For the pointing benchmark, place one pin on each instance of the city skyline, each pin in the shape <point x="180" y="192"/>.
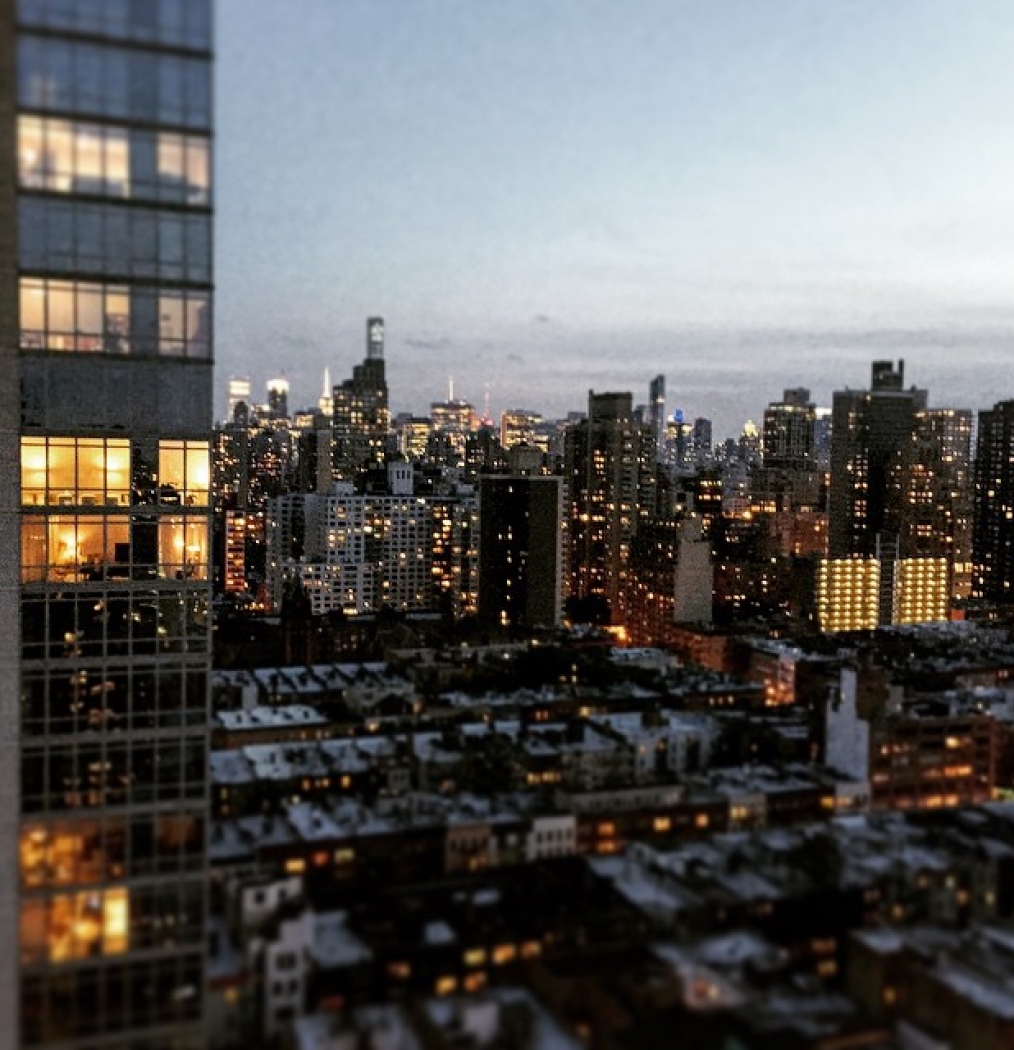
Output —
<point x="605" y="198"/>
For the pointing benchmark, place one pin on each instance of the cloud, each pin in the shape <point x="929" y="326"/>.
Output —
<point x="542" y="319"/>
<point x="441" y="343"/>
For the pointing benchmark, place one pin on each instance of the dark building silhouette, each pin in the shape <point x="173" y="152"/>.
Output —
<point x="993" y="539"/>
<point x="870" y="437"/>
<point x="520" y="550"/>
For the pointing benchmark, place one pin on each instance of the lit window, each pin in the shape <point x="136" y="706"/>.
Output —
<point x="75" y="926"/>
<point x="75" y="471"/>
<point x="503" y="954"/>
<point x="184" y="473"/>
<point x="183" y="548"/>
<point x="74" y="548"/>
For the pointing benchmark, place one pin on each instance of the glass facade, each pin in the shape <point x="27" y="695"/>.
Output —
<point x="111" y="125"/>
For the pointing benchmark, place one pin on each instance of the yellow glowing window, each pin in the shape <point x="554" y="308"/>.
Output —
<point x="607" y="829"/>
<point x="295" y="866"/>
<point x="183" y="547"/>
<point x="75" y="926"/>
<point x="475" y="957"/>
<point x="75" y="471"/>
<point x="702" y="820"/>
<point x="663" y="824"/>
<point x="531" y="950"/>
<point x="446" y="985"/>
<point x="503" y="954"/>
<point x="73" y="548"/>
<point x="65" y="852"/>
<point x="184" y="473"/>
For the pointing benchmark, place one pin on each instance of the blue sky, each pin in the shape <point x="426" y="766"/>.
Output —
<point x="547" y="196"/>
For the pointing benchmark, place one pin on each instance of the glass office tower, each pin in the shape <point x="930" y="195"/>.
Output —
<point x="105" y="416"/>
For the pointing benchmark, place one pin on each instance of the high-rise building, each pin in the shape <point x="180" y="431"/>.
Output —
<point x="870" y="437"/>
<point x="361" y="417"/>
<point x="610" y="472"/>
<point x="656" y="411"/>
<point x="993" y="541"/>
<point x="363" y="553"/>
<point x="936" y="517"/>
<point x="520" y="426"/>
<point x="789" y="478"/>
<point x="520" y="550"/>
<point x="105" y="417"/>
<point x="278" y="398"/>
<point x="788" y="431"/>
<point x="239" y="397"/>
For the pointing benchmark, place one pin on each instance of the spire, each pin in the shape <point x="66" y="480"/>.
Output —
<point x="450" y="388"/>
<point x="327" y="382"/>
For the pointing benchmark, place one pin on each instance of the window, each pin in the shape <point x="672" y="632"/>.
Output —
<point x="89" y="317"/>
<point x="75" y="471"/>
<point x="74" y="315"/>
<point x="70" y="852"/>
<point x="74" y="926"/>
<point x="74" y="548"/>
<point x="184" y="473"/>
<point x="107" y="81"/>
<point x="69" y="235"/>
<point x="177" y="22"/>
<point x="65" y="156"/>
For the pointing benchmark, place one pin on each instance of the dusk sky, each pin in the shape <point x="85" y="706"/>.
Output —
<point x="547" y="196"/>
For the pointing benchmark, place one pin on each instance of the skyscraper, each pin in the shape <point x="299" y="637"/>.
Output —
<point x="993" y="540"/>
<point x="361" y="417"/>
<point x="656" y="412"/>
<point x="789" y="476"/>
<point x="610" y="474"/>
<point x="520" y="550"/>
<point x="936" y="518"/>
<point x="870" y="435"/>
<point x="105" y="416"/>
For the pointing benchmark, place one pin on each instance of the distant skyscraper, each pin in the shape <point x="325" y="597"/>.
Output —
<point x="519" y="426"/>
<point x="239" y="394"/>
<point x="610" y="474"/>
<point x="993" y="542"/>
<point x="278" y="398"/>
<point x="361" y="417"/>
<point x="702" y="440"/>
<point x="105" y="418"/>
<point x="656" y="412"/>
<point x="325" y="403"/>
